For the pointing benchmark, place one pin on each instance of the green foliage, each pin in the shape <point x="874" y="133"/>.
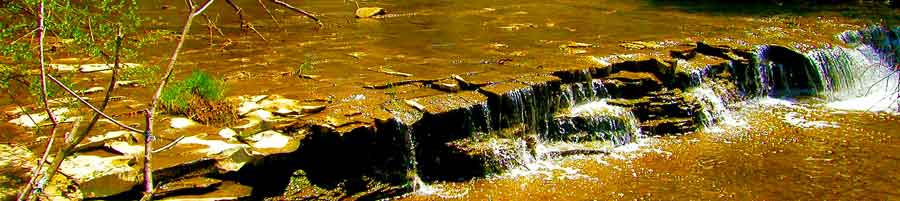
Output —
<point x="72" y="29"/>
<point x="177" y="97"/>
<point x="306" y="67"/>
<point x="142" y="74"/>
<point x="53" y="90"/>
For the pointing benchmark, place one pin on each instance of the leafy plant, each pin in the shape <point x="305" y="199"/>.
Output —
<point x="178" y="94"/>
<point x="199" y="96"/>
<point x="306" y="67"/>
<point x="142" y="74"/>
<point x="73" y="28"/>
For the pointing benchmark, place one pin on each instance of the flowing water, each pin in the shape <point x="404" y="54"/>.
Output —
<point x="787" y="152"/>
<point x="834" y="146"/>
<point x="814" y="140"/>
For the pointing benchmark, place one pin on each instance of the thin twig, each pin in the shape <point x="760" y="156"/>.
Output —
<point x="67" y="149"/>
<point x="301" y="11"/>
<point x="92" y="107"/>
<point x="212" y="25"/>
<point x="90" y="29"/>
<point x="170" y="145"/>
<point x="22" y="108"/>
<point x="263" y="5"/>
<point x="23" y="36"/>
<point x="240" y="13"/>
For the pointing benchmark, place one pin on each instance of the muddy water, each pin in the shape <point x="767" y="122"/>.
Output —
<point x="785" y="152"/>
<point x="768" y="160"/>
<point x="436" y="39"/>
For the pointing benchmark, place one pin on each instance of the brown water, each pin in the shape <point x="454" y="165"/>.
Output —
<point x="769" y="160"/>
<point x="436" y="39"/>
<point x="852" y="158"/>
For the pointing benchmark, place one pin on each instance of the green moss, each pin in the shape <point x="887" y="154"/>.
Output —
<point x="200" y="96"/>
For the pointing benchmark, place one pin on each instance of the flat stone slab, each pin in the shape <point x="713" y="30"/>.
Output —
<point x="503" y="89"/>
<point x="449" y="102"/>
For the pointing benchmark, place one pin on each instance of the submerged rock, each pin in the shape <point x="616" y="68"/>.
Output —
<point x="32" y="120"/>
<point x="16" y="163"/>
<point x="93" y="90"/>
<point x="597" y="121"/>
<point x="269" y="139"/>
<point x="83" y="168"/>
<point x="181" y="122"/>
<point x="227" y="133"/>
<point x="90" y="68"/>
<point x="128" y="83"/>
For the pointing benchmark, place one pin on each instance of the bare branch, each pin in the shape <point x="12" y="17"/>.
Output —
<point x="23" y="36"/>
<point x="263" y="5"/>
<point x="212" y="26"/>
<point x="301" y="11"/>
<point x="154" y="102"/>
<point x="171" y="67"/>
<point x="170" y="145"/>
<point x="240" y="13"/>
<point x="69" y="147"/>
<point x="148" y="152"/>
<point x="89" y="105"/>
<point x="26" y="193"/>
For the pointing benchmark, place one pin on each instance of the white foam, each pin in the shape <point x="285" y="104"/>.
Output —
<point x="795" y="119"/>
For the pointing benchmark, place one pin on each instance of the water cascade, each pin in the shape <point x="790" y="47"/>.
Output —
<point x="489" y="128"/>
<point x="860" y="76"/>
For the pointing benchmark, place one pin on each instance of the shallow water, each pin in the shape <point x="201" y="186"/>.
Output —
<point x="494" y="40"/>
<point x="787" y="152"/>
<point x="834" y="155"/>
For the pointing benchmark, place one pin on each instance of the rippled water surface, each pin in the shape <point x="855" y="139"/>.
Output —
<point x="436" y="39"/>
<point x="786" y="152"/>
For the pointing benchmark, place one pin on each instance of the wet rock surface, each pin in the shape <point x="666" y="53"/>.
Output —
<point x="365" y="146"/>
<point x="287" y="148"/>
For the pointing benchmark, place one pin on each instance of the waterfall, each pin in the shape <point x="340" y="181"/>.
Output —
<point x="581" y="92"/>
<point x="612" y="123"/>
<point x="785" y="73"/>
<point x="714" y="112"/>
<point x="863" y="75"/>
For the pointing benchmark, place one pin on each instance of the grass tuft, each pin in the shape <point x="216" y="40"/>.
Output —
<point x="200" y="97"/>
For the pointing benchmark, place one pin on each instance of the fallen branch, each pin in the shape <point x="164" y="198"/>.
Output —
<point x="212" y="26"/>
<point x="263" y="5"/>
<point x="391" y="72"/>
<point x="400" y="83"/>
<point x="301" y="11"/>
